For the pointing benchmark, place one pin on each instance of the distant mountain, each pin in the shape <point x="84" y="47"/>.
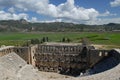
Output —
<point x="24" y="26"/>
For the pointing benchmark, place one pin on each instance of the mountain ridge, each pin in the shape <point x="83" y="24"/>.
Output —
<point x="24" y="26"/>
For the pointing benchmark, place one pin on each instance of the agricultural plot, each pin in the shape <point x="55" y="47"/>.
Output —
<point x="92" y="37"/>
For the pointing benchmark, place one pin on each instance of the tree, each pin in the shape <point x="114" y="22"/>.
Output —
<point x="35" y="41"/>
<point x="68" y="40"/>
<point x="43" y="40"/>
<point x="63" y="40"/>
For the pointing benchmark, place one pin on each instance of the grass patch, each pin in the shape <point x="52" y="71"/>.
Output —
<point x="94" y="37"/>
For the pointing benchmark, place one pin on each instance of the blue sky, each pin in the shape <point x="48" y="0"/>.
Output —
<point x="75" y="11"/>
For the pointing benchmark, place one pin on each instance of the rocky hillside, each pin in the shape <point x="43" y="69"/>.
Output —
<point x="24" y="26"/>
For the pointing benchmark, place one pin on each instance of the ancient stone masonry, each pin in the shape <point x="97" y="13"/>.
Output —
<point x="67" y="58"/>
<point x="23" y="52"/>
<point x="6" y="50"/>
<point x="63" y="58"/>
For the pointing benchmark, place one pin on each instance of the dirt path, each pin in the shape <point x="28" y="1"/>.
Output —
<point x="105" y="46"/>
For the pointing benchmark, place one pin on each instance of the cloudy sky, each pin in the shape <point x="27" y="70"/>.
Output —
<point x="75" y="11"/>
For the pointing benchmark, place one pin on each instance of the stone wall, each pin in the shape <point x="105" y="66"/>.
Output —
<point x="23" y="52"/>
<point x="111" y="74"/>
<point x="96" y="55"/>
<point x="54" y="58"/>
<point x="4" y="50"/>
<point x="33" y="51"/>
<point x="59" y="49"/>
<point x="54" y="61"/>
<point x="115" y="53"/>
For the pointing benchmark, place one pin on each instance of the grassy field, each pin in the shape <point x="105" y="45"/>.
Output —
<point x="93" y="37"/>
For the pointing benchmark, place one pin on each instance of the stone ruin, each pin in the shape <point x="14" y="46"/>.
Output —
<point x="12" y="67"/>
<point x="67" y="59"/>
<point x="70" y="59"/>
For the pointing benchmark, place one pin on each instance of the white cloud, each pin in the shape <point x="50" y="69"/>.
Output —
<point x="107" y="13"/>
<point x="89" y="22"/>
<point x="69" y="11"/>
<point x="34" y="19"/>
<point x="103" y="21"/>
<point x="66" y="10"/>
<point x="11" y="10"/>
<point x="115" y="3"/>
<point x="9" y="16"/>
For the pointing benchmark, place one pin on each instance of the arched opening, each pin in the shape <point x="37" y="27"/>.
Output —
<point x="84" y="52"/>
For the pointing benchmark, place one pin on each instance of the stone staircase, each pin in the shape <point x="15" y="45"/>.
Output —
<point x="12" y="67"/>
